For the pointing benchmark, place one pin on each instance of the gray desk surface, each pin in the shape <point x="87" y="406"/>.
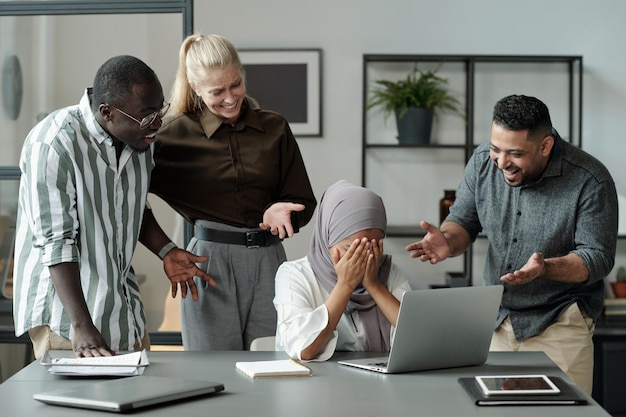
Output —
<point x="333" y="390"/>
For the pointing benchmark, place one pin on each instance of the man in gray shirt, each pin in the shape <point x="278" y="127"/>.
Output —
<point x="549" y="211"/>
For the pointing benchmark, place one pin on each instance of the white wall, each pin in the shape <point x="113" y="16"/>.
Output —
<point x="347" y="29"/>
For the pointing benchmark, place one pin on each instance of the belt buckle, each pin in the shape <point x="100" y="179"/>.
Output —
<point x="252" y="239"/>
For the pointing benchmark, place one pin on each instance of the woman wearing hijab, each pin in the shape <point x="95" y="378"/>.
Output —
<point x="344" y="295"/>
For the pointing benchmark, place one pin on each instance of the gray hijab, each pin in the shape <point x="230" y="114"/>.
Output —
<point x="345" y="209"/>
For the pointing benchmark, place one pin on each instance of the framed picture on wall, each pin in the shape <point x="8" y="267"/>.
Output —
<point x="287" y="81"/>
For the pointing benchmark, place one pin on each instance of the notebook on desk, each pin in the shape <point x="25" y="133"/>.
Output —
<point x="128" y="394"/>
<point x="440" y="328"/>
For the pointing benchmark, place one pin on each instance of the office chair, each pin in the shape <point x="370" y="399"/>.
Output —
<point x="263" y="343"/>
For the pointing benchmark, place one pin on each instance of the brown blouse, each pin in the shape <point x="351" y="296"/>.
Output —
<point x="209" y="170"/>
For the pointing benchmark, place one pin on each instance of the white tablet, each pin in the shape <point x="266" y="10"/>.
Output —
<point x="517" y="384"/>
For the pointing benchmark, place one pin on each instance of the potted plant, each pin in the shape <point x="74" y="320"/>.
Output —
<point x="414" y="100"/>
<point x="619" y="286"/>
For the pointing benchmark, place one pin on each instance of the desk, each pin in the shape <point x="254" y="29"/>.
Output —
<point x="610" y="364"/>
<point x="7" y="333"/>
<point x="333" y="390"/>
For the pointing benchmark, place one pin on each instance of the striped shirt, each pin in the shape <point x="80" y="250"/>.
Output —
<point x="78" y="204"/>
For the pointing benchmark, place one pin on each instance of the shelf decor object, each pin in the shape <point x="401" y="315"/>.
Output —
<point x="619" y="286"/>
<point x="287" y="81"/>
<point x="445" y="203"/>
<point x="414" y="100"/>
<point x="12" y="86"/>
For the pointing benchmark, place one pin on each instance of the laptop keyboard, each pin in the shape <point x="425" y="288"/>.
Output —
<point x="382" y="364"/>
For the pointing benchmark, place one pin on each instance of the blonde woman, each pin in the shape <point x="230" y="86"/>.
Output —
<point x="236" y="173"/>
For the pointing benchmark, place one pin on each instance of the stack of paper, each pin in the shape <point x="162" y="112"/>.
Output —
<point x="272" y="369"/>
<point x="129" y="364"/>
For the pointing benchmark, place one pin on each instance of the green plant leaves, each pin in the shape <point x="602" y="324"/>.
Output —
<point x="419" y="89"/>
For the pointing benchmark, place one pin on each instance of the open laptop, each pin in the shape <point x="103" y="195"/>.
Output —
<point x="440" y="328"/>
<point x="128" y="394"/>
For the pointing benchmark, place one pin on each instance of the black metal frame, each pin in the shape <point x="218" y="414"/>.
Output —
<point x="34" y="8"/>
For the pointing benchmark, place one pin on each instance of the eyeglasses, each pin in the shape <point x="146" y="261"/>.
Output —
<point x="147" y="121"/>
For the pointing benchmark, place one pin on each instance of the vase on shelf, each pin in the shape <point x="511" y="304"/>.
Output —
<point x="445" y="203"/>
<point x="414" y="125"/>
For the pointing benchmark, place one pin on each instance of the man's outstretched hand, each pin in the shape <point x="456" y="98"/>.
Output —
<point x="180" y="267"/>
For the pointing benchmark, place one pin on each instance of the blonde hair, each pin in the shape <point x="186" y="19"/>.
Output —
<point x="198" y="55"/>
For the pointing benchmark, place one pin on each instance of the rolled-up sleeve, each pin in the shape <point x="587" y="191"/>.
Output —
<point x="596" y="226"/>
<point x="301" y="312"/>
<point x="52" y="210"/>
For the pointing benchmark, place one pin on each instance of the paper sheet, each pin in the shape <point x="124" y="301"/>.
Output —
<point x="128" y="364"/>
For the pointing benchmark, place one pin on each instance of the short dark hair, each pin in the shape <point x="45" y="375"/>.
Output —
<point x="116" y="77"/>
<point x="519" y="112"/>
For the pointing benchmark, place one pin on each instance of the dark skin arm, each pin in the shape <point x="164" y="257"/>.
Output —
<point x="87" y="340"/>
<point x="179" y="265"/>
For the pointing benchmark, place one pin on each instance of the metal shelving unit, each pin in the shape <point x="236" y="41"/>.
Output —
<point x="472" y="66"/>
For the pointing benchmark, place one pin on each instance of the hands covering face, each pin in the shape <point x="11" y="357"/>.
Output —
<point x="359" y="263"/>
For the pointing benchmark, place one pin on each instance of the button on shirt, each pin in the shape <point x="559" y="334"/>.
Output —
<point x="572" y="208"/>
<point x="78" y="204"/>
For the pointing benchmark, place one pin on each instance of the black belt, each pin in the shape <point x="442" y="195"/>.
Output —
<point x="252" y="239"/>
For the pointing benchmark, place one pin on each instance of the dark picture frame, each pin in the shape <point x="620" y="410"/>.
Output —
<point x="289" y="82"/>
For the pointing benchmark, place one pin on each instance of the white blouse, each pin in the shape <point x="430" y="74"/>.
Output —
<point x="302" y="314"/>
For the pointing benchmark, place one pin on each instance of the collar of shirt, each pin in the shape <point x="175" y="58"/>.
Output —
<point x="555" y="163"/>
<point x="95" y="130"/>
<point x="248" y="118"/>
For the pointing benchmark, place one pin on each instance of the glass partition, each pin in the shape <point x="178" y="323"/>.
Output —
<point x="46" y="66"/>
<point x="8" y="211"/>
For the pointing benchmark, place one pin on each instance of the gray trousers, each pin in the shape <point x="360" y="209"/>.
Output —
<point x="240" y="308"/>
